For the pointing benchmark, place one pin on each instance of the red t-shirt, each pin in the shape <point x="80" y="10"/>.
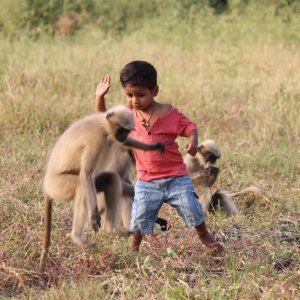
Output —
<point x="152" y="164"/>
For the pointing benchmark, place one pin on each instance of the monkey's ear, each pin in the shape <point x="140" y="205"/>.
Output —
<point x="199" y="148"/>
<point x="110" y="114"/>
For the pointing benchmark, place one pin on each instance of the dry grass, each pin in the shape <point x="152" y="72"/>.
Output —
<point x="243" y="92"/>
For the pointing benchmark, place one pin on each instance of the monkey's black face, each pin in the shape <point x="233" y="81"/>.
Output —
<point x="212" y="158"/>
<point x="122" y="134"/>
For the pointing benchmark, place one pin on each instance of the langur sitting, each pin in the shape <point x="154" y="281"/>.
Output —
<point x="82" y="153"/>
<point x="204" y="175"/>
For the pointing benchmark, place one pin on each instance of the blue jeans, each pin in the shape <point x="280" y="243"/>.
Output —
<point x="150" y="196"/>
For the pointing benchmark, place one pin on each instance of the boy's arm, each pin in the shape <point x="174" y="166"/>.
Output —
<point x="100" y="104"/>
<point x="101" y="91"/>
<point x="191" y="147"/>
<point x="187" y="128"/>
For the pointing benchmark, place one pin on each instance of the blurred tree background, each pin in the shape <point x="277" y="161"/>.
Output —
<point x="118" y="16"/>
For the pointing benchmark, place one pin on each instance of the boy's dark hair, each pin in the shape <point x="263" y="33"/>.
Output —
<point x="139" y="73"/>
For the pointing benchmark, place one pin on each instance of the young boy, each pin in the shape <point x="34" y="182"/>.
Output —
<point x="161" y="178"/>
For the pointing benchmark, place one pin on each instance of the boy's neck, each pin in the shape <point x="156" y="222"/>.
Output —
<point x="149" y="109"/>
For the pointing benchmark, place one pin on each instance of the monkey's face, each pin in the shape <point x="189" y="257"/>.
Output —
<point x="122" y="134"/>
<point x="211" y="158"/>
<point x="210" y="151"/>
<point x="121" y="122"/>
<point x="208" y="157"/>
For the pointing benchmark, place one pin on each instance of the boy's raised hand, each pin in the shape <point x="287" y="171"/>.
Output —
<point x="103" y="86"/>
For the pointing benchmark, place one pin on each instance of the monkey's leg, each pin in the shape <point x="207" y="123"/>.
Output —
<point x="105" y="178"/>
<point x="101" y="204"/>
<point x="79" y="221"/>
<point x="47" y="236"/>
<point x="109" y="183"/>
<point x="204" y="194"/>
<point x="127" y="189"/>
<point x="114" y="202"/>
<point x="225" y="200"/>
<point x="205" y="177"/>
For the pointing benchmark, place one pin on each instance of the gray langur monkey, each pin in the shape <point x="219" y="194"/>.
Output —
<point x="207" y="155"/>
<point x="204" y="174"/>
<point x="123" y="164"/>
<point x="82" y="154"/>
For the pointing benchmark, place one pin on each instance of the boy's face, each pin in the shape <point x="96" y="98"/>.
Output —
<point x="139" y="97"/>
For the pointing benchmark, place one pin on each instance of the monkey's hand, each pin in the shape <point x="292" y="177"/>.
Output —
<point x="212" y="173"/>
<point x="95" y="220"/>
<point x="158" y="146"/>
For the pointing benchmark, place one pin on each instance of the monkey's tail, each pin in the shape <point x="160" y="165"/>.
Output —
<point x="47" y="228"/>
<point x="251" y="190"/>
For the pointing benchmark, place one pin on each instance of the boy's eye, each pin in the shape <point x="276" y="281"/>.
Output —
<point x="137" y="95"/>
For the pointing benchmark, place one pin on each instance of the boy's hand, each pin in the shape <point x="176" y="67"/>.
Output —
<point x="191" y="148"/>
<point x="103" y="86"/>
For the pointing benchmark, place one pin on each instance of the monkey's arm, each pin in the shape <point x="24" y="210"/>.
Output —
<point x="205" y="177"/>
<point x="198" y="175"/>
<point x="135" y="144"/>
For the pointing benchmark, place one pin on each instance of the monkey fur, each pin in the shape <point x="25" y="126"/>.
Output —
<point x="204" y="174"/>
<point x="81" y="154"/>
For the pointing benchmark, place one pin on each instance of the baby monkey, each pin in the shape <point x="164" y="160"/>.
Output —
<point x="82" y="153"/>
<point x="204" y="174"/>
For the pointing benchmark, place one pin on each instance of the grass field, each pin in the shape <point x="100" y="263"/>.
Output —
<point x="239" y="80"/>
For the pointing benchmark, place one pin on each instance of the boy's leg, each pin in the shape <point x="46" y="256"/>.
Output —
<point x="135" y="241"/>
<point x="185" y="199"/>
<point x="146" y="204"/>
<point x="207" y="239"/>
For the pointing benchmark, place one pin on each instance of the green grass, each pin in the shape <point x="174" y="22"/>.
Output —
<point x="238" y="79"/>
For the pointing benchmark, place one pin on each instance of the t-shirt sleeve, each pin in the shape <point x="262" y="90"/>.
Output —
<point x="185" y="125"/>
